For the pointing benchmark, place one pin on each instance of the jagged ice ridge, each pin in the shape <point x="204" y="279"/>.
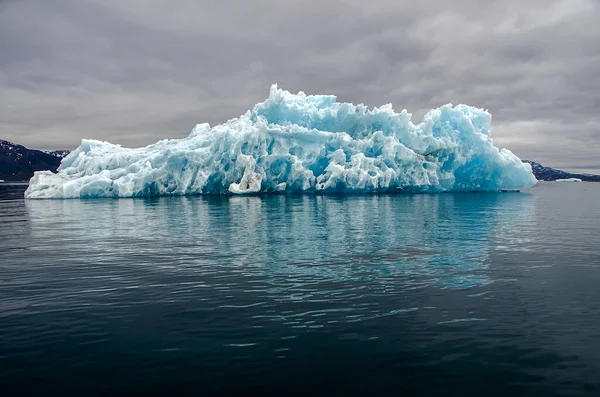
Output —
<point x="299" y="143"/>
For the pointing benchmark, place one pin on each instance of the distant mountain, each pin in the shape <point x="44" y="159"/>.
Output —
<point x="17" y="163"/>
<point x="550" y="174"/>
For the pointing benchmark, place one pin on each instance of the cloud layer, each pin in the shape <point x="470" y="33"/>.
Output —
<point x="137" y="71"/>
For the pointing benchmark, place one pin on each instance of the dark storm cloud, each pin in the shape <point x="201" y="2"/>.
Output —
<point x="137" y="71"/>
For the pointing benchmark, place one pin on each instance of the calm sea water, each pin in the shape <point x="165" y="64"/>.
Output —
<point x="448" y="294"/>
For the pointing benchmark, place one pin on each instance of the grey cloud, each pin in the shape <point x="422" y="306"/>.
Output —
<point x="137" y="71"/>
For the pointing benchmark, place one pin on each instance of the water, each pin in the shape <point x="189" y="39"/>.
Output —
<point x="448" y="294"/>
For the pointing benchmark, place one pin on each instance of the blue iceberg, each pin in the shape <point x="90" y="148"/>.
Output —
<point x="299" y="143"/>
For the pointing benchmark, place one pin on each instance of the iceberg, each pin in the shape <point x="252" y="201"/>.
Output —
<point x="568" y="180"/>
<point x="299" y="143"/>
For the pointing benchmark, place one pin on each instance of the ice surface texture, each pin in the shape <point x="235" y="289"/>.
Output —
<point x="299" y="143"/>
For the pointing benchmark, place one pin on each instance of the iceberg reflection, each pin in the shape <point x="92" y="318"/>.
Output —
<point x="388" y="242"/>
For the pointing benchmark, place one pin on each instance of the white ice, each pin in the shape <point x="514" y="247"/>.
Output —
<point x="569" y="180"/>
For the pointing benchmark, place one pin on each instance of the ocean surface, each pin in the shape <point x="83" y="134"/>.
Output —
<point x="471" y="294"/>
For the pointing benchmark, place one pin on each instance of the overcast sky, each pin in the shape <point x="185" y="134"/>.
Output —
<point x="135" y="71"/>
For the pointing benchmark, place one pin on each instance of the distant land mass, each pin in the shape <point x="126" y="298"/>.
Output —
<point x="550" y="174"/>
<point x="18" y="163"/>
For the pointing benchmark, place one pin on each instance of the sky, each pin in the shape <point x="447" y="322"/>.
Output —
<point x="133" y="72"/>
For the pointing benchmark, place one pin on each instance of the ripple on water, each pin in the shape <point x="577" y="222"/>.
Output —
<point x="437" y="290"/>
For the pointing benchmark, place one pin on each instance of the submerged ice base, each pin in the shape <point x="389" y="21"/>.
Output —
<point x="299" y="143"/>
